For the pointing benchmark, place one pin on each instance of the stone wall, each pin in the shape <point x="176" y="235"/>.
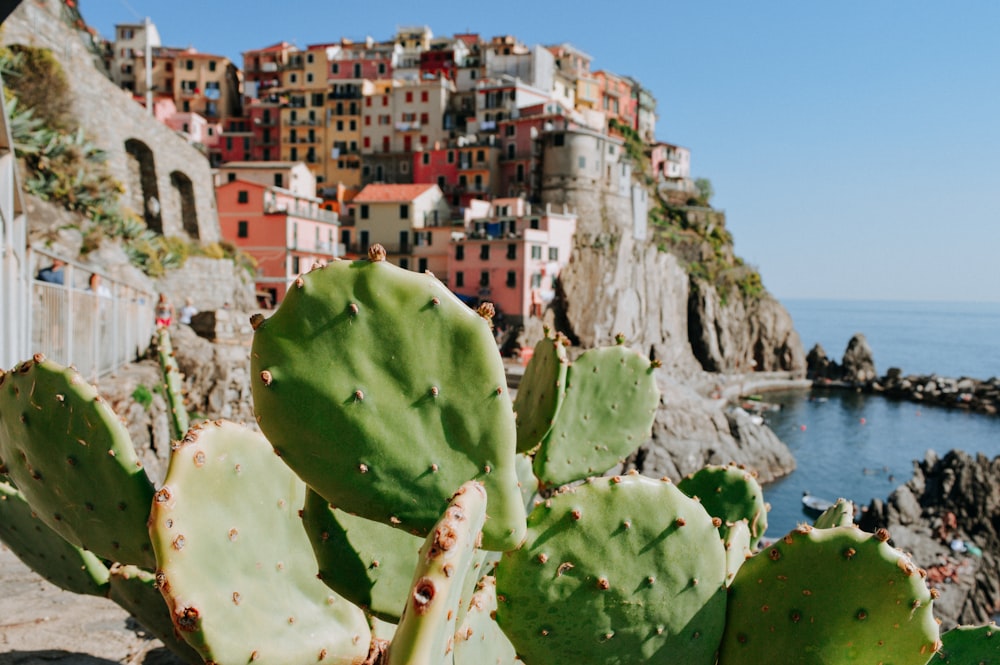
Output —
<point x="166" y="179"/>
<point x="211" y="284"/>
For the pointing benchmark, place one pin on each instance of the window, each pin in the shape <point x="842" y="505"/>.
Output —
<point x="385" y="100"/>
<point x="581" y="162"/>
<point x="553" y="253"/>
<point x="367" y="142"/>
<point x="536" y="251"/>
<point x="357" y="70"/>
<point x="340" y="125"/>
<point x="451" y="157"/>
<point x="353" y="125"/>
<point x="422" y="265"/>
<point x="243" y="196"/>
<point x="293" y="78"/>
<point x="533" y="223"/>
<point x="189" y="65"/>
<point x="409" y="97"/>
<point x="459" y="253"/>
<point x="512" y="251"/>
<point x="404" y="211"/>
<point x="404" y="264"/>
<point x="424" y="96"/>
<point x="558" y="139"/>
<point x="424" y="118"/>
<point x="279" y="180"/>
<point x="484" y="252"/>
<point x="335" y="68"/>
<point x="232" y="177"/>
<point x="510" y="150"/>
<point x="484" y="278"/>
<point x="536" y="281"/>
<point x="425" y="158"/>
<point x="364" y="211"/>
<point x="295" y="265"/>
<point x="242" y="229"/>
<point x="211" y="65"/>
<point x="480" y="155"/>
<point x="381" y="68"/>
<point x="368" y="120"/>
<point x="520" y="173"/>
<point x="510" y="129"/>
<point x="294" y="154"/>
<point x="511" y="278"/>
<point x="459" y="279"/>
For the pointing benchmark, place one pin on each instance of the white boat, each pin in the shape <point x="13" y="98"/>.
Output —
<point x="815" y="505"/>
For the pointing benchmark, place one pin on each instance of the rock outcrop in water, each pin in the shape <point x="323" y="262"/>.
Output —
<point x="856" y="368"/>
<point x="955" y="498"/>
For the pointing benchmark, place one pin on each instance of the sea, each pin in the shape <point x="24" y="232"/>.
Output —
<point x="860" y="447"/>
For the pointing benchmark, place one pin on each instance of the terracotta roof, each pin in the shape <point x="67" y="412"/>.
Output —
<point x="391" y="193"/>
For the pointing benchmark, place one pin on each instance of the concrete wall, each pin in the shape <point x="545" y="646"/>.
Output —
<point x="176" y="173"/>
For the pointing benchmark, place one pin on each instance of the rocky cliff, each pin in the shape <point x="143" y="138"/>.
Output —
<point x="948" y="510"/>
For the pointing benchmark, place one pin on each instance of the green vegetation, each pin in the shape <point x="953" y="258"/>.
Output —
<point x="142" y="396"/>
<point x="699" y="238"/>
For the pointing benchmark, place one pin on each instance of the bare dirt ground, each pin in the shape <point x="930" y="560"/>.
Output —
<point x="41" y="624"/>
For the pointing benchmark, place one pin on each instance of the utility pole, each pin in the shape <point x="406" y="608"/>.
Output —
<point x="149" y="67"/>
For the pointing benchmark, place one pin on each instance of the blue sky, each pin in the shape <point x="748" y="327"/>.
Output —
<point x="853" y="145"/>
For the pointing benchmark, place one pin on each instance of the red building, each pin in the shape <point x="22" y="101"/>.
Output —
<point x="362" y="60"/>
<point x="439" y="62"/>
<point x="617" y="100"/>
<point x="438" y="166"/>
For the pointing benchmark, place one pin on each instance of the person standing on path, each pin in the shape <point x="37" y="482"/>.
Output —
<point x="164" y="312"/>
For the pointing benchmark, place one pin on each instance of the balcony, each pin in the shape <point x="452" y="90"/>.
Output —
<point x="271" y="207"/>
<point x="311" y="122"/>
<point x="408" y="126"/>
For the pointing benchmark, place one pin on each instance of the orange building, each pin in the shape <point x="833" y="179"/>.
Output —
<point x="285" y="232"/>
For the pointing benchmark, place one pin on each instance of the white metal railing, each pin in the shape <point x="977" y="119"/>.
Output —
<point x="14" y="274"/>
<point x="95" y="327"/>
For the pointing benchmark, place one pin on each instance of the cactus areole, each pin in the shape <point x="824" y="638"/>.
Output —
<point x="386" y="394"/>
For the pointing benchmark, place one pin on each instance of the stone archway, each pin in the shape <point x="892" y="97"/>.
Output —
<point x="189" y="212"/>
<point x="142" y="172"/>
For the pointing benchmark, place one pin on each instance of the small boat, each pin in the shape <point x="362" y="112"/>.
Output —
<point x="815" y="505"/>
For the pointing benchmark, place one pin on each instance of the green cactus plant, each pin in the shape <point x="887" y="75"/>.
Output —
<point x="730" y="493"/>
<point x="367" y="562"/>
<point x="832" y="596"/>
<point x="135" y="590"/>
<point x="234" y="563"/>
<point x="479" y="639"/>
<point x="426" y="631"/>
<point x="44" y="551"/>
<point x="970" y="645"/>
<point x="840" y="513"/>
<point x="172" y="383"/>
<point x="650" y="592"/>
<point x="607" y="412"/>
<point x="385" y="393"/>
<point x="540" y="392"/>
<point x="73" y="460"/>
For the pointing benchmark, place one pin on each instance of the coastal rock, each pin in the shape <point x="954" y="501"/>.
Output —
<point x="690" y="431"/>
<point x="859" y="362"/>
<point x="819" y="366"/>
<point x="741" y="334"/>
<point x="951" y="503"/>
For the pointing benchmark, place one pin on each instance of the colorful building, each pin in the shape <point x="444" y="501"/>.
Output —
<point x="286" y="233"/>
<point x="511" y="257"/>
<point x="392" y="215"/>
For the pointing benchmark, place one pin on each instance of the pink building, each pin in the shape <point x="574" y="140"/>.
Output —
<point x="363" y="60"/>
<point x="286" y="233"/>
<point x="511" y="257"/>
<point x="617" y="100"/>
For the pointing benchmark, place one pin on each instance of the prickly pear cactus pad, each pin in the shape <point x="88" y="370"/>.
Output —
<point x="617" y="570"/>
<point x="73" y="460"/>
<point x="46" y="552"/>
<point x="479" y="639"/>
<point x="425" y="634"/>
<point x="969" y="645"/>
<point x="607" y="412"/>
<point x="235" y="565"/>
<point x="540" y="392"/>
<point x="830" y="596"/>
<point x="135" y="590"/>
<point x="172" y="383"/>
<point x="367" y="562"/>
<point x="839" y="514"/>
<point x="385" y="393"/>
<point x="730" y="493"/>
